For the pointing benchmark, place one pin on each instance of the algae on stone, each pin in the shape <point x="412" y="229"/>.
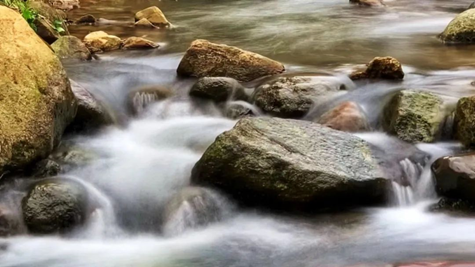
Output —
<point x="461" y="29"/>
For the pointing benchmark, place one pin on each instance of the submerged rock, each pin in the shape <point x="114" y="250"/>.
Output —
<point x="139" y="99"/>
<point x="446" y="204"/>
<point x="10" y="222"/>
<point x="70" y="156"/>
<point x="464" y="121"/>
<point x="293" y="97"/>
<point x="461" y="29"/>
<point x="218" y="89"/>
<point x="145" y="23"/>
<point x="91" y="113"/>
<point x="414" y="116"/>
<point x="71" y="47"/>
<point x="206" y="59"/>
<point x="154" y="15"/>
<point x="139" y="43"/>
<point x="367" y="2"/>
<point x="387" y="68"/>
<point x="86" y="19"/>
<point x="102" y="42"/>
<point x="292" y="164"/>
<point x="46" y="168"/>
<point x="239" y="109"/>
<point x="193" y="208"/>
<point x="346" y="117"/>
<point x="455" y="176"/>
<point x="54" y="205"/>
<point x="36" y="101"/>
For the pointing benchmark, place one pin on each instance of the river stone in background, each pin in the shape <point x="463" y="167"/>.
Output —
<point x="139" y="43"/>
<point x="154" y="15"/>
<point x="414" y="116"/>
<point x="100" y="41"/>
<point x="144" y="23"/>
<point x="86" y="19"/>
<point x="292" y="164"/>
<point x="455" y="176"/>
<point x="461" y="29"/>
<point x="387" y="68"/>
<point x="206" y="59"/>
<point x="54" y="205"/>
<point x="218" y="89"/>
<point x="347" y="117"/>
<point x="71" y="47"/>
<point x="293" y="97"/>
<point x="464" y="121"/>
<point x="368" y="3"/>
<point x="36" y="101"/>
<point x="91" y="114"/>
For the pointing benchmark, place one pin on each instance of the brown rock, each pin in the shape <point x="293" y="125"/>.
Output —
<point x="346" y="117"/>
<point x="36" y="101"/>
<point x="45" y="30"/>
<point x="86" y="19"/>
<point x="367" y="3"/>
<point x="455" y="176"/>
<point x="154" y="15"/>
<point x="64" y="4"/>
<point x="387" y="68"/>
<point x="102" y="42"/>
<point x="138" y="43"/>
<point x="206" y="59"/>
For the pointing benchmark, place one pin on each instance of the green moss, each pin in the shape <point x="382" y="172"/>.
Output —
<point x="461" y="29"/>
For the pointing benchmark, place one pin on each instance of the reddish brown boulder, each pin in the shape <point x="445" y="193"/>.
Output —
<point x="346" y="117"/>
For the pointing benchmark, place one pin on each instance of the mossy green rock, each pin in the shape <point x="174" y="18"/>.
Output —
<point x="414" y="116"/>
<point x="71" y="47"/>
<point x="292" y="164"/>
<point x="36" y="101"/>
<point x="461" y="29"/>
<point x="464" y="126"/>
<point x="54" y="205"/>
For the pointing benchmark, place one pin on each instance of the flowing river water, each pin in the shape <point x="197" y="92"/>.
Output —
<point x="140" y="165"/>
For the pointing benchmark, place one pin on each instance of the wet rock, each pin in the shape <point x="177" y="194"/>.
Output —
<point x="387" y="68"/>
<point x="86" y="19"/>
<point x="154" y="15"/>
<point x="36" y="101"/>
<point x="206" y="59"/>
<point x="193" y="208"/>
<point x="239" y="109"/>
<point x="139" y="43"/>
<point x="461" y="29"/>
<point x="347" y="117"/>
<point x="453" y="205"/>
<point x="91" y="113"/>
<point x="70" y="156"/>
<point x="291" y="164"/>
<point x="71" y="47"/>
<point x="464" y="121"/>
<point x="367" y="2"/>
<point x="293" y="97"/>
<point x="414" y="116"/>
<point x="45" y="30"/>
<point x="218" y="89"/>
<point x="102" y="42"/>
<point x="455" y="176"/>
<point x="139" y="99"/>
<point x="10" y="222"/>
<point x="145" y="23"/>
<point x="54" y="205"/>
<point x="46" y="168"/>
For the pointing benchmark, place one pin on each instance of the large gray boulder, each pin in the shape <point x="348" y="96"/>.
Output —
<point x="55" y="205"/>
<point x="293" y="97"/>
<point x="290" y="163"/>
